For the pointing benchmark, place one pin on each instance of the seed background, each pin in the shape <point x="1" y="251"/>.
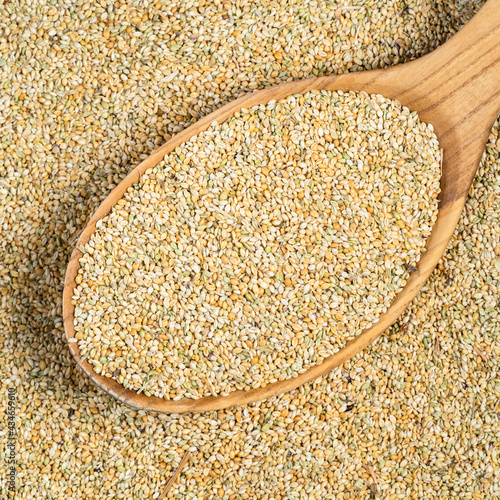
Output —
<point x="87" y="90"/>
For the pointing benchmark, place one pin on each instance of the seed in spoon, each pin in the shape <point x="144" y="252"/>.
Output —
<point x="259" y="247"/>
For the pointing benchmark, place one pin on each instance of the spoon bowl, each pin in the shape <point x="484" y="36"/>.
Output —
<point x="456" y="88"/>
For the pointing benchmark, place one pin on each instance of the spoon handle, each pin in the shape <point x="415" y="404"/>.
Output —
<point x="462" y="76"/>
<point x="457" y="89"/>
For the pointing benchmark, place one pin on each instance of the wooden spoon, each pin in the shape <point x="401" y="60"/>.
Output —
<point x="456" y="88"/>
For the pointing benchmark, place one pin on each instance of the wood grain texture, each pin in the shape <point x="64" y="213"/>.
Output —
<point x="456" y="88"/>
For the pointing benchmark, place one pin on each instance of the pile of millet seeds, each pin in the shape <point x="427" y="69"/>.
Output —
<point x="257" y="248"/>
<point x="90" y="89"/>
